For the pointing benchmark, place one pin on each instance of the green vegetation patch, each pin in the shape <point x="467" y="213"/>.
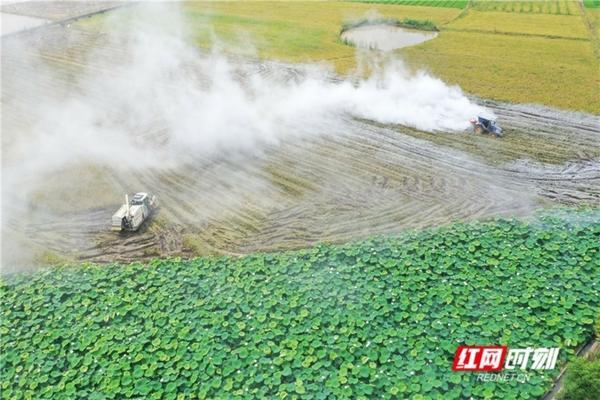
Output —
<point x="582" y="380"/>
<point x="379" y="318"/>
<point x="424" y="25"/>
<point x="591" y="3"/>
<point x="418" y="24"/>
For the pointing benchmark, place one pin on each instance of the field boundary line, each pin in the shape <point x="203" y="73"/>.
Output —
<point x="463" y="13"/>
<point x="591" y="27"/>
<point x="65" y="21"/>
<point x="538" y="35"/>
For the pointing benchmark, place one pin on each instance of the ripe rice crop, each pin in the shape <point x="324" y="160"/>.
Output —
<point x="561" y="7"/>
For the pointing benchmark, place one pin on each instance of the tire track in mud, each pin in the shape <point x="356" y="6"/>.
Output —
<point x="351" y="179"/>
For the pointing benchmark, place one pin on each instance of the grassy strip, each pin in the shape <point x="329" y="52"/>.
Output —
<point x="418" y="24"/>
<point x="591" y="3"/>
<point x="424" y="3"/>
<point x="379" y="318"/>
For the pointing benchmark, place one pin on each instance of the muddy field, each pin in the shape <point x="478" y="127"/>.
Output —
<point x="345" y="179"/>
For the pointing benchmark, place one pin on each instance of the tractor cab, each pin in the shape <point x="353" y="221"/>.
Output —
<point x="140" y="199"/>
<point x="486" y="125"/>
<point x="131" y="215"/>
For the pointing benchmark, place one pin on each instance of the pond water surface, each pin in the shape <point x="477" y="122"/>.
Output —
<point x="385" y="37"/>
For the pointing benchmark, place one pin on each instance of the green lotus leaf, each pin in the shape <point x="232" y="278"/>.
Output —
<point x="352" y="321"/>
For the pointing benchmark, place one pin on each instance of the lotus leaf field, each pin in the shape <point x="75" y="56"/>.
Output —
<point x="380" y="318"/>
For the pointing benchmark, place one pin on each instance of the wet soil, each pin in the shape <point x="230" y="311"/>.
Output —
<point x="354" y="179"/>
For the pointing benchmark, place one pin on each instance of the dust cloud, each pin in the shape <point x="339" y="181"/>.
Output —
<point x="164" y="101"/>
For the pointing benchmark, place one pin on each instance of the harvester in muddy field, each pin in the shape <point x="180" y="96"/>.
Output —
<point x="485" y="125"/>
<point x="133" y="213"/>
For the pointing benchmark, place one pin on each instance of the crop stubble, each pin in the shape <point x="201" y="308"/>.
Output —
<point x="353" y="179"/>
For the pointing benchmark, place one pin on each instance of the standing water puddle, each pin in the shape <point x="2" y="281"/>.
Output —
<point x="385" y="37"/>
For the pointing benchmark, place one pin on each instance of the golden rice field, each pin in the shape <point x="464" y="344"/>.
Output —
<point x="516" y="69"/>
<point x="525" y="52"/>
<point x="566" y="7"/>
<point x="559" y="26"/>
<point x="294" y="31"/>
